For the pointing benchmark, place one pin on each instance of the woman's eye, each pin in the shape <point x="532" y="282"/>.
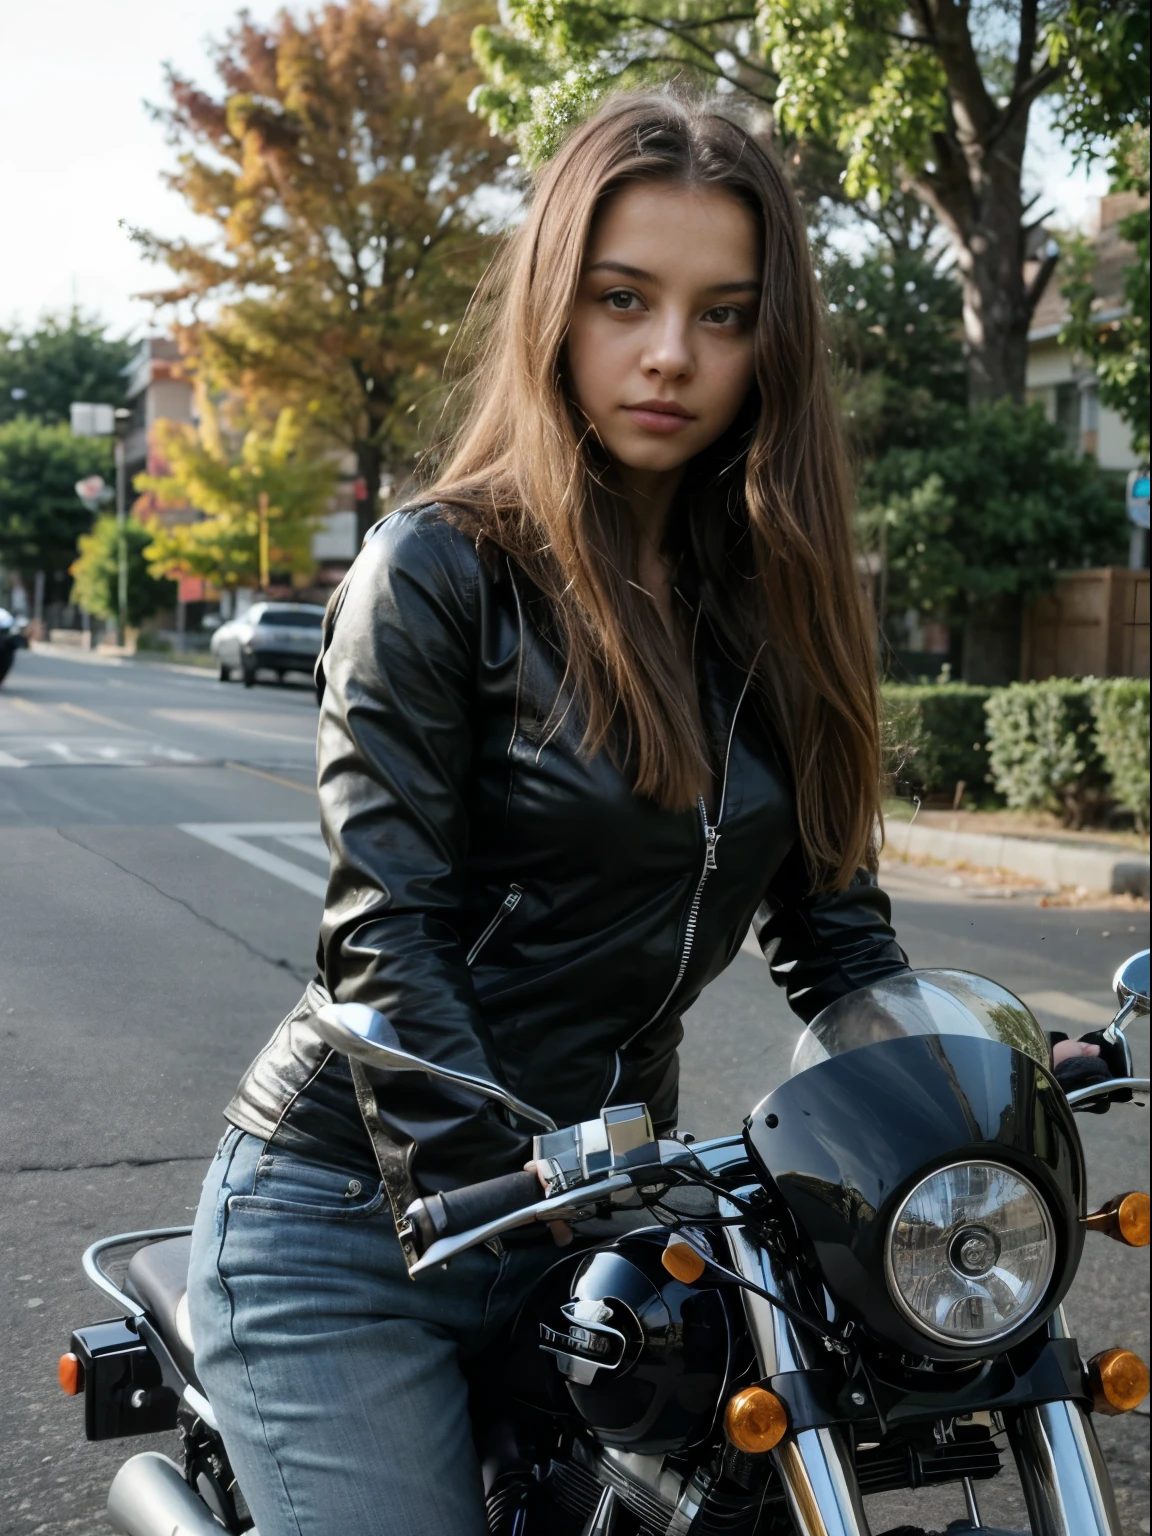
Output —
<point x="620" y="299"/>
<point x="727" y="314"/>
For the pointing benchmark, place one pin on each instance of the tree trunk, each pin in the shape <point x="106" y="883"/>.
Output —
<point x="983" y="213"/>
<point x="368" y="467"/>
<point x="974" y="186"/>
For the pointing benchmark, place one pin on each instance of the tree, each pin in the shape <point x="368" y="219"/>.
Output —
<point x="894" y="319"/>
<point x="1117" y="347"/>
<point x="96" y="573"/>
<point x="932" y="96"/>
<point x="226" y="482"/>
<point x="990" y="509"/>
<point x="64" y="358"/>
<point x="41" y="517"/>
<point x="344" y="176"/>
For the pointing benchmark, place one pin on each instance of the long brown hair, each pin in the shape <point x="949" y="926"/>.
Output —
<point x="763" y="512"/>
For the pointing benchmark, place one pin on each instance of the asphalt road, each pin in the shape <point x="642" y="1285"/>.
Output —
<point x="160" y="877"/>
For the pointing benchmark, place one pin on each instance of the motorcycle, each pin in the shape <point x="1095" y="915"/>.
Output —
<point x="859" y="1293"/>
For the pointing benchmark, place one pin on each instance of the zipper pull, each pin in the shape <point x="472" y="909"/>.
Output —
<point x="512" y="900"/>
<point x="712" y="837"/>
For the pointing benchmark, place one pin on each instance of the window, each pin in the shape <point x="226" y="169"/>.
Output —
<point x="292" y="618"/>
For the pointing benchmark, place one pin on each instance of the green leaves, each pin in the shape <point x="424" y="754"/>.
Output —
<point x="61" y="359"/>
<point x="224" y="479"/>
<point x="1042" y="749"/>
<point x="993" y="506"/>
<point x="96" y="572"/>
<point x="41" y="516"/>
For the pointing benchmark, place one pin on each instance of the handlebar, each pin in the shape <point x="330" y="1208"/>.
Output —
<point x="475" y="1205"/>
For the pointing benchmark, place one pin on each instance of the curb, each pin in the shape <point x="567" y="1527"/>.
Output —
<point x="1098" y="869"/>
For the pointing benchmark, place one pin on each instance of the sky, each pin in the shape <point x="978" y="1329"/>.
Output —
<point x="80" y="158"/>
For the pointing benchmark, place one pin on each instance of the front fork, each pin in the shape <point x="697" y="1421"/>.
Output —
<point x="1066" y="1484"/>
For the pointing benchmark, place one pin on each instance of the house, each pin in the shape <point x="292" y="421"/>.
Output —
<point x="158" y="388"/>
<point x="1057" y="377"/>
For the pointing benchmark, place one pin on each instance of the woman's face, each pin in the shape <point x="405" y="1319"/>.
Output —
<point x="660" y="345"/>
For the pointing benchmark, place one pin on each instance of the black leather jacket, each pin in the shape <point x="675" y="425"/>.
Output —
<point x="510" y="905"/>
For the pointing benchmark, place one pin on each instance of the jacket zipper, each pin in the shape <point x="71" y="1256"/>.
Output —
<point x="505" y="909"/>
<point x="711" y="838"/>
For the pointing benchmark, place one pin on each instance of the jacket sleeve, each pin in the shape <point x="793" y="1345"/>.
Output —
<point x="394" y="760"/>
<point x="820" y="946"/>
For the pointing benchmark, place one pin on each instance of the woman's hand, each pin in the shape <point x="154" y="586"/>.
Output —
<point x="562" y="1233"/>
<point x="1066" y="1050"/>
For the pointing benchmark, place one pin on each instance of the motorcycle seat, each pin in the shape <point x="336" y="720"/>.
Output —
<point x="157" y="1278"/>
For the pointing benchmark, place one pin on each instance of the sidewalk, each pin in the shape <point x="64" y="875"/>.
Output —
<point x="114" y="658"/>
<point x="1095" y="866"/>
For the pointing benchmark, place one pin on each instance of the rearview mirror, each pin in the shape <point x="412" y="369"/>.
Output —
<point x="367" y="1035"/>
<point x="1131" y="982"/>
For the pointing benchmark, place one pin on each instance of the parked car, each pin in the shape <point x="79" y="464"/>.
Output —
<point x="279" y="637"/>
<point x="12" y="639"/>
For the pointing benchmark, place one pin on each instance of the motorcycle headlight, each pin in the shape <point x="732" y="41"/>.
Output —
<point x="970" y="1253"/>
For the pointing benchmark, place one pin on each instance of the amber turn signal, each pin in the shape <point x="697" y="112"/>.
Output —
<point x="755" y="1420"/>
<point x="1118" y="1380"/>
<point x="1125" y="1218"/>
<point x="682" y="1261"/>
<point x="70" y="1374"/>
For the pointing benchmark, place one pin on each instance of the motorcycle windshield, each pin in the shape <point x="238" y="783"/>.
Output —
<point x="933" y="1002"/>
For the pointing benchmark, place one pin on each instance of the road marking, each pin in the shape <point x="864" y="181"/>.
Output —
<point x="273" y="778"/>
<point x="8" y="761"/>
<point x="26" y="705"/>
<point x="236" y="838"/>
<point x="1066" y="1005"/>
<point x="312" y="844"/>
<point x="80" y="713"/>
<point x="210" y="719"/>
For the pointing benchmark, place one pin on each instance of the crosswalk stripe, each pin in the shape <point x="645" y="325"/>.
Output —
<point x="234" y="838"/>
<point x="8" y="761"/>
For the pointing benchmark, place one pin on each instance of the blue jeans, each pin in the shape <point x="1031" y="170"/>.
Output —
<point x="337" y="1380"/>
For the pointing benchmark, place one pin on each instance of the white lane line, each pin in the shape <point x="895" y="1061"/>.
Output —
<point x="234" y="838"/>
<point x="313" y="845"/>
<point x="62" y="751"/>
<point x="8" y="761"/>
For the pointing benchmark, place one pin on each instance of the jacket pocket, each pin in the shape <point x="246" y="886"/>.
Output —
<point x="502" y="913"/>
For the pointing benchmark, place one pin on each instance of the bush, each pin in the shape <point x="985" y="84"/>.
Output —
<point x="1120" y="705"/>
<point x="1042" y="748"/>
<point x="936" y="736"/>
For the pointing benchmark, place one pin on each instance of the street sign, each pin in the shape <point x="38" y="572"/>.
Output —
<point x="89" y="420"/>
<point x="1138" y="497"/>
<point x="93" y="492"/>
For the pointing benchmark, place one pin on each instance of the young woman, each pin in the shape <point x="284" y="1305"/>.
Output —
<point x="603" y="701"/>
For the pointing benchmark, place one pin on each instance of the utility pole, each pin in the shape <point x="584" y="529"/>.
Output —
<point x="262" y="524"/>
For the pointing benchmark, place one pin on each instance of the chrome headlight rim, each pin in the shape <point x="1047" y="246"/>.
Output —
<point x="981" y="1345"/>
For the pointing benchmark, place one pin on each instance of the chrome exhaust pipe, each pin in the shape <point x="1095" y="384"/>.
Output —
<point x="149" y="1497"/>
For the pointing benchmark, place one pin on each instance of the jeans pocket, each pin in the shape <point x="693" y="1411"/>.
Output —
<point x="295" y="1186"/>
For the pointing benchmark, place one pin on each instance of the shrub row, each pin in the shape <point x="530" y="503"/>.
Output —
<point x="1065" y="745"/>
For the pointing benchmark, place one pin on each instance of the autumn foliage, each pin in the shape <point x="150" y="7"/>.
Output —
<point x="345" y="180"/>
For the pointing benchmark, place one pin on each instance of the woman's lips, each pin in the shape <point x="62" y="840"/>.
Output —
<point x="652" y="419"/>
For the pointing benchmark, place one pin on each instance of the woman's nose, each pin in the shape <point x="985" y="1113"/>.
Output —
<point x="668" y="352"/>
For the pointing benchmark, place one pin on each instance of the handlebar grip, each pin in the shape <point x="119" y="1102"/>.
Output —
<point x="459" y="1210"/>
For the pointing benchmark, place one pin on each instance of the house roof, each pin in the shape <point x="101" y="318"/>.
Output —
<point x="1113" y="255"/>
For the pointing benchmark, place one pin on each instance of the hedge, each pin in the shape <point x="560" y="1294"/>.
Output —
<point x="935" y="737"/>
<point x="1120" y="706"/>
<point x="1042" y="748"/>
<point x="1066" y="745"/>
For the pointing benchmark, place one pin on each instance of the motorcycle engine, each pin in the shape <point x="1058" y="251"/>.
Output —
<point x="645" y="1358"/>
